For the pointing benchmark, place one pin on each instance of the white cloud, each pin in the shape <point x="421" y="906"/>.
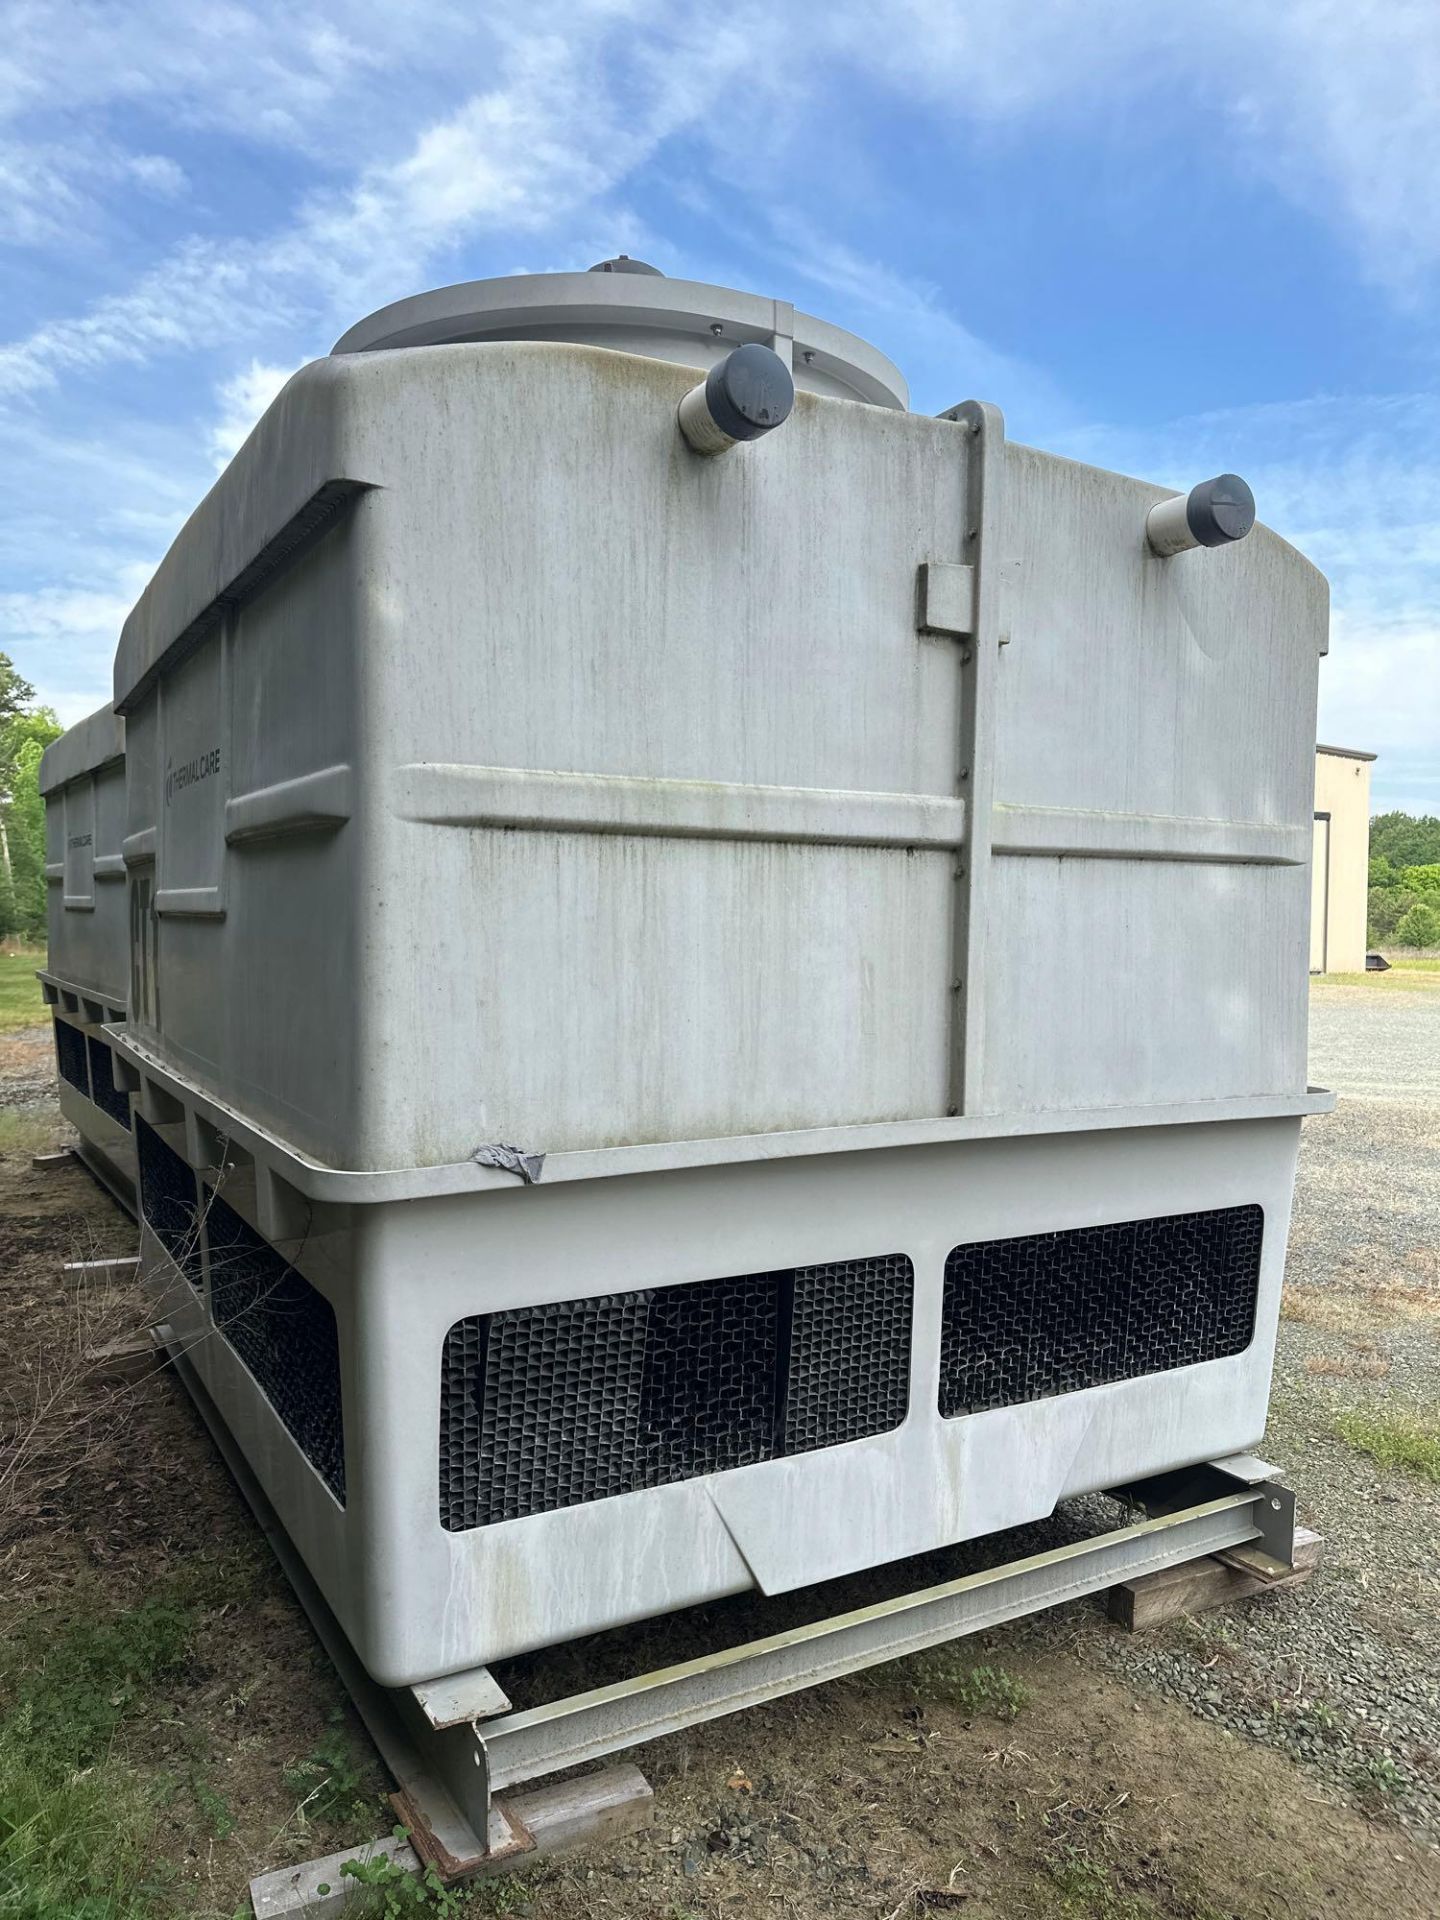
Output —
<point x="243" y="398"/>
<point x="69" y="635"/>
<point x="545" y="142"/>
<point x="427" y="126"/>
<point x="1334" y="101"/>
<point x="1357" y="488"/>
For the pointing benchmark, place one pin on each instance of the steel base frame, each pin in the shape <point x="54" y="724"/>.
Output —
<point x="455" y="1748"/>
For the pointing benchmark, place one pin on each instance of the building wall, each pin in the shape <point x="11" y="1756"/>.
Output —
<point x="1341" y="871"/>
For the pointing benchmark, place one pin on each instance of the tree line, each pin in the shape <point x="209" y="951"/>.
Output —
<point x="25" y="732"/>
<point x="1404" y="900"/>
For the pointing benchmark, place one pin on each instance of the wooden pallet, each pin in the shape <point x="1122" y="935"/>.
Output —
<point x="1202" y="1584"/>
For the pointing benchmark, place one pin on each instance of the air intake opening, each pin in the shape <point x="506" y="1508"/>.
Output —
<point x="103" y="1090"/>
<point x="284" y="1331"/>
<point x="168" y="1201"/>
<point x="70" y="1056"/>
<point x="551" y="1406"/>
<point x="1053" y="1313"/>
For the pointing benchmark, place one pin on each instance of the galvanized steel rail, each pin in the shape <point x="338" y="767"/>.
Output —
<point x="449" y="1774"/>
<point x="523" y="1746"/>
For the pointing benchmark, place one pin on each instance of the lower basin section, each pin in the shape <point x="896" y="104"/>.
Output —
<point x="490" y="1422"/>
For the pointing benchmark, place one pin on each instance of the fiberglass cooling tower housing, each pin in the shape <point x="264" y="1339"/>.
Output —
<point x="84" y="981"/>
<point x="719" y="986"/>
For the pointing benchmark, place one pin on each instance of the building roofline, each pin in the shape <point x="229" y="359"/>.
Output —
<point x="1345" y="753"/>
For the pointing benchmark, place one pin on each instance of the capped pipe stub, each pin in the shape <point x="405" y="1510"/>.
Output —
<point x="1213" y="514"/>
<point x="748" y="393"/>
<point x="1220" y="510"/>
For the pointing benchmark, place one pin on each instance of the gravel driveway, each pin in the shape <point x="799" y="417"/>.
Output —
<point x="1345" y="1672"/>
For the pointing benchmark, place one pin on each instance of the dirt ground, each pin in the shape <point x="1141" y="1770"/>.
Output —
<point x="1051" y="1782"/>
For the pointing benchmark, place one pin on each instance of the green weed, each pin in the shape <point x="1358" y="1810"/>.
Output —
<point x="213" y="1809"/>
<point x="1378" y="1774"/>
<point x="398" y="1893"/>
<point x="79" y="1679"/>
<point x="1087" y="1889"/>
<point x="331" y="1780"/>
<point x="1394" y="1439"/>
<point x="941" y="1678"/>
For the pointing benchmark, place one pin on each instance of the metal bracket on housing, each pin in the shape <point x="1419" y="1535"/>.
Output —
<point x="946" y="599"/>
<point x="1271" y="1554"/>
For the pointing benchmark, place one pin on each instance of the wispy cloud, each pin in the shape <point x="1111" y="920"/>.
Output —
<point x="398" y="145"/>
<point x="243" y="398"/>
<point x="1356" y="488"/>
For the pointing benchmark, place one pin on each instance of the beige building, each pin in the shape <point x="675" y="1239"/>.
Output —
<point x="1340" y="874"/>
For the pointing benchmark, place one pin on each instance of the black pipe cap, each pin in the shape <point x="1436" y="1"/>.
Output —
<point x="1220" y="510"/>
<point x="749" y="392"/>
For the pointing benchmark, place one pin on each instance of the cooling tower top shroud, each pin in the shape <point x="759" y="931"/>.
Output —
<point x="634" y="311"/>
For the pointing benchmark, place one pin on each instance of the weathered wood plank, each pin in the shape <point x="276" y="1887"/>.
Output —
<point x="322" y="1889"/>
<point x="583" y="1812"/>
<point x="1199" y="1585"/>
<point x="572" y="1813"/>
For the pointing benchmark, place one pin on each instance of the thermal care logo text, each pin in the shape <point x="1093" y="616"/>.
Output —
<point x="190" y="772"/>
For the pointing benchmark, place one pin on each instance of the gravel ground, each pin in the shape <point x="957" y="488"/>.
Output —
<point x="27" y="1070"/>
<point x="1344" y="1673"/>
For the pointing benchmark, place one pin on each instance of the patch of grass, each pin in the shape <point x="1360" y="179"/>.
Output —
<point x="331" y="1780"/>
<point x="22" y="1132"/>
<point x="1351" y="1310"/>
<point x="1410" y="1440"/>
<point x="941" y="1678"/>
<point x="212" y="1808"/>
<point x="1088" y="1889"/>
<point x="81" y="1677"/>
<point x="75" y="1825"/>
<point x="1417" y="976"/>
<point x="76" y="1848"/>
<point x="21" y="1002"/>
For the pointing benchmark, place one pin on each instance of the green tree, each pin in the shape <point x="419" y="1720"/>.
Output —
<point x="40" y="723"/>
<point x="1420" y="927"/>
<point x="9" y="924"/>
<point x="1405" y="840"/>
<point x="1424" y="879"/>
<point x="1386" y="906"/>
<point x="15" y="693"/>
<point x="1382" y="874"/>
<point x="26" y="833"/>
<point x="24" y="737"/>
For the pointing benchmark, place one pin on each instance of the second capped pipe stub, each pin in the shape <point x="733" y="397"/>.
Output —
<point x="1212" y="514"/>
<point x="748" y="393"/>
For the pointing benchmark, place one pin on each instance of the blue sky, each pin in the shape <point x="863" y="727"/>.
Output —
<point x="1167" y="240"/>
